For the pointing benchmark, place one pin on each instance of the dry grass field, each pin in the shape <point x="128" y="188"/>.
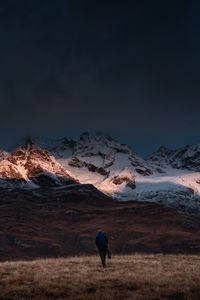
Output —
<point x="125" y="277"/>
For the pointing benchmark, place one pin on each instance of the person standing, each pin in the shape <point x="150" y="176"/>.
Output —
<point x="102" y="245"/>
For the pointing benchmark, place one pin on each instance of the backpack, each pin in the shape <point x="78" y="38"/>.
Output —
<point x="101" y="240"/>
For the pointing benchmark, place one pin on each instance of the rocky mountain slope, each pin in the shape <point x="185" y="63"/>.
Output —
<point x="170" y="177"/>
<point x="3" y="154"/>
<point x="118" y="171"/>
<point x="100" y="160"/>
<point x="187" y="157"/>
<point x="31" y="166"/>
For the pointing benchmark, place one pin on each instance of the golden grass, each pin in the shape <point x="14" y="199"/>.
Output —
<point x="125" y="277"/>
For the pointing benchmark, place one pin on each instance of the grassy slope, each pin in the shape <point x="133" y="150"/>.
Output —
<point x="56" y="223"/>
<point x="125" y="277"/>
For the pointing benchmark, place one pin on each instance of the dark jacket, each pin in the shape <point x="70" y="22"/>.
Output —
<point x="101" y="241"/>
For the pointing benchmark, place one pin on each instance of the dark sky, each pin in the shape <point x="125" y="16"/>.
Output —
<point x="127" y="68"/>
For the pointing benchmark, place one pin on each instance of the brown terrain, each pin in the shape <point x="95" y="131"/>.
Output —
<point x="58" y="222"/>
<point x="141" y="277"/>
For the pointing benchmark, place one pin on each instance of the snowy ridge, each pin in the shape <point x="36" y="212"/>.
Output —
<point x="168" y="176"/>
<point x="3" y="154"/>
<point x="187" y="157"/>
<point x="127" y="176"/>
<point x="31" y="166"/>
<point x="95" y="158"/>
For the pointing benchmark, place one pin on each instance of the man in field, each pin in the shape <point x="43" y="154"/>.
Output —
<point x="102" y="245"/>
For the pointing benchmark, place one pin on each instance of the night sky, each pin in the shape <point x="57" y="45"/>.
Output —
<point x="127" y="68"/>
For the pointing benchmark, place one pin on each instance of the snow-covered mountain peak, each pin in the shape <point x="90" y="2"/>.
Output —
<point x="167" y="176"/>
<point x="187" y="157"/>
<point x="164" y="150"/>
<point x="100" y="160"/>
<point x="33" y="166"/>
<point x="98" y="143"/>
<point x="3" y="154"/>
<point x="94" y="137"/>
<point x="161" y="157"/>
<point x="47" y="143"/>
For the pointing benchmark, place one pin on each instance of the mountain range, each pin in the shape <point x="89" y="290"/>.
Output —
<point x="170" y="177"/>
